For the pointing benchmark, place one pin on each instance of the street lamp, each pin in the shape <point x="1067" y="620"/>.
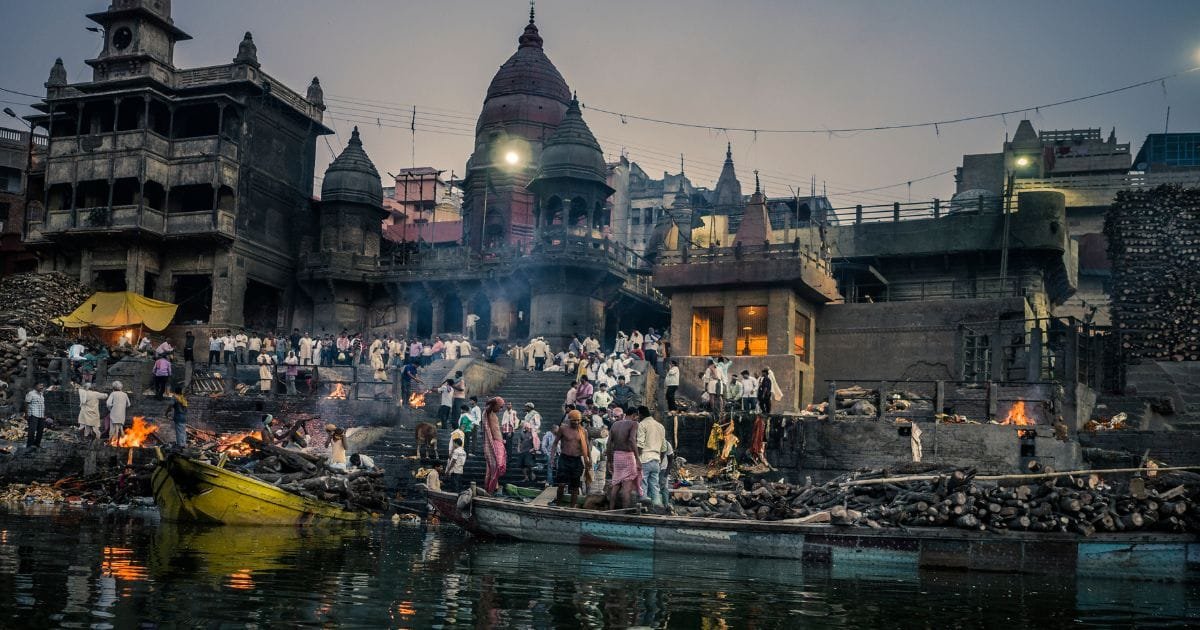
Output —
<point x="512" y="159"/>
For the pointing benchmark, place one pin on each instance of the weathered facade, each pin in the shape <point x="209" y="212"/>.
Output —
<point x="188" y="185"/>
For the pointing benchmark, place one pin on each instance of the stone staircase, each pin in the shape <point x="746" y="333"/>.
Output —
<point x="395" y="449"/>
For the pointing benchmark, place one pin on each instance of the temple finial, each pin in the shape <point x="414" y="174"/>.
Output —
<point x="531" y="11"/>
<point x="681" y="165"/>
<point x="728" y="150"/>
<point x="757" y="188"/>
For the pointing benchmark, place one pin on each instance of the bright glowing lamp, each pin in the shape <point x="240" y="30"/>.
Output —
<point x="512" y="158"/>
<point x="1022" y="161"/>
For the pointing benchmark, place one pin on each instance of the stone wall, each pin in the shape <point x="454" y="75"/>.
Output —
<point x="826" y="449"/>
<point x="899" y="341"/>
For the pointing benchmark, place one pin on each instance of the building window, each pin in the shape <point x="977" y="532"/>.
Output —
<point x="752" y="331"/>
<point x="637" y="220"/>
<point x="800" y="337"/>
<point x="708" y="325"/>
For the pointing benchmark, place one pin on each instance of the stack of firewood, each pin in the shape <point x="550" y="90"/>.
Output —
<point x="1154" y="245"/>
<point x="1081" y="503"/>
<point x="308" y="474"/>
<point x="31" y="300"/>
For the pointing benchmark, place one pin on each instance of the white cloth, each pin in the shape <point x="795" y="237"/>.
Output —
<point x="118" y="404"/>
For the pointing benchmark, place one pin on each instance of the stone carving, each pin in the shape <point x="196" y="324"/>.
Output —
<point x="247" y="51"/>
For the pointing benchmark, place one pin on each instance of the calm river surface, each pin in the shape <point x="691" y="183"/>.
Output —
<point x="78" y="569"/>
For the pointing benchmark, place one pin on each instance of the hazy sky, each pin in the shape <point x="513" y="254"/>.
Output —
<point x="753" y="63"/>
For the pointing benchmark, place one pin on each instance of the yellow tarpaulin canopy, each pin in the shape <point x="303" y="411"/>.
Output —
<point x="120" y="309"/>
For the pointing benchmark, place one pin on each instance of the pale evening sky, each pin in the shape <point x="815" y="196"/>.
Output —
<point x="757" y="63"/>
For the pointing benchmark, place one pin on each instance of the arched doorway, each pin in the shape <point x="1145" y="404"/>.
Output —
<point x="421" y="322"/>
<point x="452" y="315"/>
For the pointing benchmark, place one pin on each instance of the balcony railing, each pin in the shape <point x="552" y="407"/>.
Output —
<point x="929" y="290"/>
<point x="128" y="217"/>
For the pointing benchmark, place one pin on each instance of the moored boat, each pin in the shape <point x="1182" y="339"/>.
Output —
<point x="188" y="490"/>
<point x="1138" y="555"/>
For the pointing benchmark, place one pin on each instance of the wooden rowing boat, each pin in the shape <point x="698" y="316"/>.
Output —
<point x="1138" y="555"/>
<point x="187" y="490"/>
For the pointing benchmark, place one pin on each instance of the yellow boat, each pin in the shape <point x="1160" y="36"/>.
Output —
<point x="187" y="490"/>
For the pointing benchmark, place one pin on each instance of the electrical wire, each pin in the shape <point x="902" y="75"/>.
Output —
<point x="890" y="127"/>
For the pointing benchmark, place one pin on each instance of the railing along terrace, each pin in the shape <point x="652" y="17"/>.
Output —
<point x="21" y="137"/>
<point x="742" y="252"/>
<point x="934" y="209"/>
<point x="929" y="290"/>
<point x="1059" y="349"/>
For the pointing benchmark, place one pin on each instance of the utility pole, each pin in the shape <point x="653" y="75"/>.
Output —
<point x="1008" y="195"/>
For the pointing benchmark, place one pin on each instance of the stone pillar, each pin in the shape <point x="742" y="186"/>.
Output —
<point x="558" y="315"/>
<point x="438" y="315"/>
<point x="135" y="274"/>
<point x="85" y="267"/>
<point x="504" y="317"/>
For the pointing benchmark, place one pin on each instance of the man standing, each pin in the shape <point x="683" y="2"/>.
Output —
<point x="214" y="349"/>
<point x="472" y="323"/>
<point x="749" y="391"/>
<point x="189" y="348"/>
<point x="540" y="349"/>
<point x="454" y="471"/>
<point x="229" y="347"/>
<point x="602" y="399"/>
<point x="240" y="343"/>
<point x="477" y="413"/>
<point x="177" y="411"/>
<point x="253" y="347"/>
<point x="672" y="384"/>
<point x="460" y="389"/>
<point x="532" y="418"/>
<point x="343" y="349"/>
<point x="528" y="445"/>
<point x="446" y="411"/>
<point x="162" y="373"/>
<point x="35" y="417"/>
<point x="118" y="405"/>
<point x="573" y="456"/>
<point x="650" y="348"/>
<point x="624" y="473"/>
<point x="408" y="375"/>
<point x="651" y="435"/>
<point x="89" y="410"/>
<point x="305" y="350"/>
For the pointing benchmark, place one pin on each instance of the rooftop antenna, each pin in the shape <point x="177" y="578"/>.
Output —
<point x="1167" y="124"/>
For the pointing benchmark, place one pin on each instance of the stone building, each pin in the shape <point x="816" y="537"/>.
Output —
<point x="18" y="150"/>
<point x="187" y="185"/>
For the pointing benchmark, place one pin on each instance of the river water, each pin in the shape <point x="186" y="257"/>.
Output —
<point x="92" y="569"/>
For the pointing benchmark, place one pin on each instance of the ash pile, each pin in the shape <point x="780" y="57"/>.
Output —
<point x="1082" y="502"/>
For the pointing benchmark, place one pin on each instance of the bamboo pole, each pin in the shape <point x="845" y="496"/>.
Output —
<point x="1068" y="473"/>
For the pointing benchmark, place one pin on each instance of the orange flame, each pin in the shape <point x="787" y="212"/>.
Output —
<point x="416" y="401"/>
<point x="233" y="444"/>
<point x="137" y="433"/>
<point x="339" y="392"/>
<point x="1017" y="416"/>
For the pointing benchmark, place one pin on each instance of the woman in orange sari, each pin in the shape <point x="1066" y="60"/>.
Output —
<point x="493" y="445"/>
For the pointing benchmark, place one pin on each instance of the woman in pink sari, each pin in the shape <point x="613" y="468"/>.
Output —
<point x="493" y="445"/>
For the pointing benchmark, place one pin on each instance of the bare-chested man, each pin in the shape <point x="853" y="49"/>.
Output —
<point x="624" y="471"/>
<point x="573" y="456"/>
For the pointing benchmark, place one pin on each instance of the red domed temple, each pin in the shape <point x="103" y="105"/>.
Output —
<point x="536" y="259"/>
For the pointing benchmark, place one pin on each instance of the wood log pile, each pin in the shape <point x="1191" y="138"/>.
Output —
<point x="1081" y="504"/>
<point x="1154" y="245"/>
<point x="31" y="300"/>
<point x="306" y="474"/>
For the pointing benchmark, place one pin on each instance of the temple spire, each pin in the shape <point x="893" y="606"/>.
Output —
<point x="757" y="188"/>
<point x="531" y="11"/>
<point x="729" y="153"/>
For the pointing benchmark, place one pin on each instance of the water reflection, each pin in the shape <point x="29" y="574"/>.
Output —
<point x="77" y="569"/>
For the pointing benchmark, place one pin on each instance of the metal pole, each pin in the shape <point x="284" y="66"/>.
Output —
<point x="487" y="180"/>
<point x="1007" y="223"/>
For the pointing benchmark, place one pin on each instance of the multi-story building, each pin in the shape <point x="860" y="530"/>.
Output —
<point x="20" y="153"/>
<point x="189" y="185"/>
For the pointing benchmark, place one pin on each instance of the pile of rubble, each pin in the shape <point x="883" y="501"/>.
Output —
<point x="1080" y="502"/>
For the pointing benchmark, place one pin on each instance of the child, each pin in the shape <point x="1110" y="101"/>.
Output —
<point x="466" y="423"/>
<point x="458" y="459"/>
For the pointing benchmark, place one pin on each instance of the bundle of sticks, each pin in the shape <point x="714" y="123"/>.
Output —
<point x="1079" y="502"/>
<point x="305" y="473"/>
